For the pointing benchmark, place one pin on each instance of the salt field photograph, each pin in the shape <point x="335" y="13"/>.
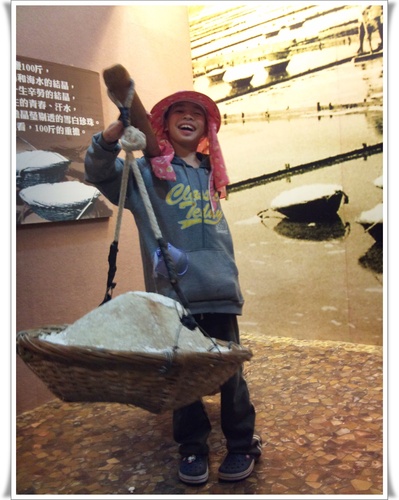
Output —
<point x="302" y="100"/>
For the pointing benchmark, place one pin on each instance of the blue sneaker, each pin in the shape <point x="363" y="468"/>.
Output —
<point x="236" y="466"/>
<point x="194" y="469"/>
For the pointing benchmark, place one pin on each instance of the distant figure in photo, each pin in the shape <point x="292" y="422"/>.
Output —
<point x="371" y="21"/>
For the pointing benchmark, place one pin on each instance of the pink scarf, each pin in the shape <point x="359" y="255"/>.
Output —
<point x="161" y="165"/>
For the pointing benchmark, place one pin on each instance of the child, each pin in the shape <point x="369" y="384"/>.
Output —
<point x="185" y="185"/>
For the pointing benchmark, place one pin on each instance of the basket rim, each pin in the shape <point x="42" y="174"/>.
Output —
<point x="56" y="210"/>
<point x="33" y="169"/>
<point x="71" y="206"/>
<point x="29" y="340"/>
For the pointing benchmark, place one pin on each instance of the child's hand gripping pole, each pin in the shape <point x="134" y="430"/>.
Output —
<point x="118" y="82"/>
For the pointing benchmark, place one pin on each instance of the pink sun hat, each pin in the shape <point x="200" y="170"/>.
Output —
<point x="208" y="145"/>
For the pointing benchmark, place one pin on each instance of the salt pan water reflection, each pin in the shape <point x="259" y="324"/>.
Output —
<point x="288" y="129"/>
<point x="329" y="288"/>
<point x="256" y="148"/>
<point x="312" y="231"/>
<point x="308" y="282"/>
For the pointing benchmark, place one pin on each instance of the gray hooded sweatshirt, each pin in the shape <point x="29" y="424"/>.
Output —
<point x="200" y="239"/>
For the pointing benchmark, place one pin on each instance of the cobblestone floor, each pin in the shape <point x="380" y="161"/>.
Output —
<point x="319" y="410"/>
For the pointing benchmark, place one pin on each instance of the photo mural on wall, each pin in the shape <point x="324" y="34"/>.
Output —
<point x="300" y="88"/>
<point x="270" y="65"/>
<point x="289" y="80"/>
<point x="58" y="109"/>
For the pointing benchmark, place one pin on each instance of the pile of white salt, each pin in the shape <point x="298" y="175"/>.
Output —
<point x="134" y="321"/>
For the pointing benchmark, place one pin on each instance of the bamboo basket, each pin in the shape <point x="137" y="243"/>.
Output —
<point x="39" y="167"/>
<point x="60" y="201"/>
<point x="154" y="382"/>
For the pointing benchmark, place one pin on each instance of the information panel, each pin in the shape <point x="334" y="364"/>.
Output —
<point x="58" y="109"/>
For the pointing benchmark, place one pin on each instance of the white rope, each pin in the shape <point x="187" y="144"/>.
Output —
<point x="122" y="196"/>
<point x="133" y="140"/>
<point x="125" y="173"/>
<point x="144" y="194"/>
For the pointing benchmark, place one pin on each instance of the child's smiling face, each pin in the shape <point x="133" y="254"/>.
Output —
<point x="186" y="123"/>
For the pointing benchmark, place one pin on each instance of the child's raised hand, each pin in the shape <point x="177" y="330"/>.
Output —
<point x="113" y="132"/>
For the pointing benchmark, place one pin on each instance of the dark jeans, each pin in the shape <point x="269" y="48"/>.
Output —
<point x="191" y="425"/>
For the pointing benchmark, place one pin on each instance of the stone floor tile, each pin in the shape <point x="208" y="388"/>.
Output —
<point x="319" y="411"/>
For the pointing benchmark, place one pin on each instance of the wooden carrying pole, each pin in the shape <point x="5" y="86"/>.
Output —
<point x="118" y="81"/>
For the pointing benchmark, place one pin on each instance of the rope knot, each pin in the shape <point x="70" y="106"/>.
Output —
<point x="133" y="139"/>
